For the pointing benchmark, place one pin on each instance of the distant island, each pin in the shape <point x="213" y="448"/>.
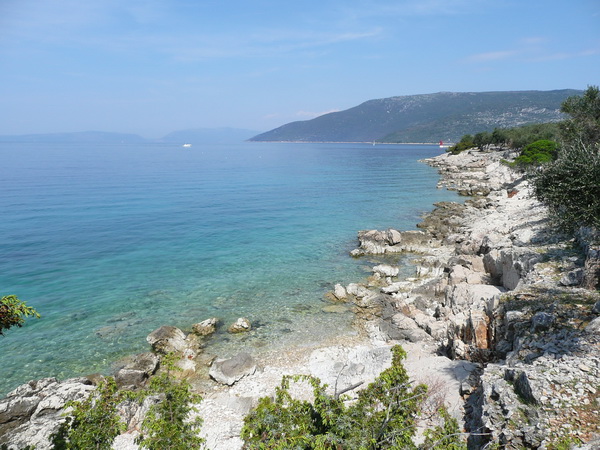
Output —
<point x="196" y="135"/>
<point x="426" y="118"/>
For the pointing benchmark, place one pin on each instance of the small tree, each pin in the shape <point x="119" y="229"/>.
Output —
<point x="13" y="313"/>
<point x="583" y="127"/>
<point x="92" y="423"/>
<point x="167" y="425"/>
<point x="569" y="186"/>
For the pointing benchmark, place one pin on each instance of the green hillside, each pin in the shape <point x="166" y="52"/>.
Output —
<point x="426" y="118"/>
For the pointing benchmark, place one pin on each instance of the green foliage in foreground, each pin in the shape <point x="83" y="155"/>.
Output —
<point x="382" y="417"/>
<point x="13" y="313"/>
<point x="93" y="423"/>
<point x="570" y="187"/>
<point x="167" y="425"/>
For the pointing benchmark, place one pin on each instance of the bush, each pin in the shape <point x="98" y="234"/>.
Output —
<point x="570" y="187"/>
<point x="536" y="153"/>
<point x="465" y="143"/>
<point x="383" y="416"/>
<point x="92" y="423"/>
<point x="167" y="426"/>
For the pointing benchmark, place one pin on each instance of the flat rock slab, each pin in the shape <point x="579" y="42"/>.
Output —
<point x="228" y="371"/>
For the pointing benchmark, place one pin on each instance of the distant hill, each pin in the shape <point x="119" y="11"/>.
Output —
<point x="199" y="135"/>
<point x="426" y="118"/>
<point x="209" y="136"/>
<point x="83" y="137"/>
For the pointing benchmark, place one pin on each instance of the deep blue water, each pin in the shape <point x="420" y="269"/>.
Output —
<point x="109" y="242"/>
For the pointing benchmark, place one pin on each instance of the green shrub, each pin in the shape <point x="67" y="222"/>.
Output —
<point x="383" y="416"/>
<point x="446" y="436"/>
<point x="92" y="423"/>
<point x="570" y="187"/>
<point x="465" y="143"/>
<point x="536" y="153"/>
<point x="167" y="425"/>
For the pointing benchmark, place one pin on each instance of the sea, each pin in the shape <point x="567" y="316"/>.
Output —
<point x="110" y="241"/>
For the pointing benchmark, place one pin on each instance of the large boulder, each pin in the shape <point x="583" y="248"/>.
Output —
<point x="31" y="413"/>
<point x="390" y="241"/>
<point x="168" y="339"/>
<point x="134" y="374"/>
<point x="228" y="371"/>
<point x="386" y="270"/>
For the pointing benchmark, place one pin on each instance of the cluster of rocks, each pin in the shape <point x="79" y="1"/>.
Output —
<point x="501" y="308"/>
<point x="30" y="414"/>
<point x="496" y="285"/>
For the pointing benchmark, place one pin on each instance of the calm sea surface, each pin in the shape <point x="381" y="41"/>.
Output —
<point x="109" y="242"/>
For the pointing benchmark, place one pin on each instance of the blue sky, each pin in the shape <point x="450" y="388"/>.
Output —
<point x="154" y="66"/>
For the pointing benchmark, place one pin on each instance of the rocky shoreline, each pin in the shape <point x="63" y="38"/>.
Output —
<point x="501" y="320"/>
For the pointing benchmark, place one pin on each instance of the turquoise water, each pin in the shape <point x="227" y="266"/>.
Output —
<point x="109" y="242"/>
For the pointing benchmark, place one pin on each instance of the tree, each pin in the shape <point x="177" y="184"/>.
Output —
<point x="569" y="186"/>
<point x="13" y="313"/>
<point x="584" y="125"/>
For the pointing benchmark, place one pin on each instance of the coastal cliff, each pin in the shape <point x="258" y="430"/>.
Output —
<point x="501" y="320"/>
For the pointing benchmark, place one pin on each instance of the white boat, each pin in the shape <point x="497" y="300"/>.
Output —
<point x="187" y="145"/>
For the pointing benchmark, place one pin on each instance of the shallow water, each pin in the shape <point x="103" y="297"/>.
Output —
<point x="110" y="242"/>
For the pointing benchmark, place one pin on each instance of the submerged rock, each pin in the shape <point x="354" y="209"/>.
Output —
<point x="167" y="339"/>
<point x="240" y="326"/>
<point x="206" y="327"/>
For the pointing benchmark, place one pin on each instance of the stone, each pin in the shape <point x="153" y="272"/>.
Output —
<point x="523" y="388"/>
<point x="591" y="276"/>
<point x="596" y="308"/>
<point x="406" y="328"/>
<point x="241" y="325"/>
<point x="479" y="323"/>
<point x="135" y="373"/>
<point x="206" y="327"/>
<point x="167" y="339"/>
<point x="389" y="241"/>
<point x="593" y="326"/>
<point x="542" y="321"/>
<point x="228" y="371"/>
<point x="358" y="290"/>
<point x="572" y="278"/>
<point x="339" y="292"/>
<point x="336" y="309"/>
<point x="33" y="411"/>
<point x="386" y="270"/>
<point x="468" y="296"/>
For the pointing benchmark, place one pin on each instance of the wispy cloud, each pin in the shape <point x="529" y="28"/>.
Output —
<point x="529" y="50"/>
<point x="492" y="56"/>
<point x="312" y="115"/>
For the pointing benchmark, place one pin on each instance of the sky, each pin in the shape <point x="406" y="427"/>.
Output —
<point x="154" y="66"/>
